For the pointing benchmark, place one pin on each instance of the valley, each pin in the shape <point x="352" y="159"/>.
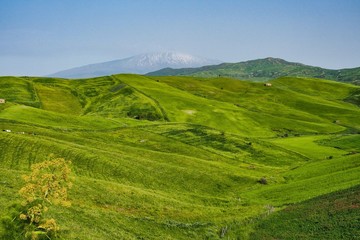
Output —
<point x="179" y="157"/>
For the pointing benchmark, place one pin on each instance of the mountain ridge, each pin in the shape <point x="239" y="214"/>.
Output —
<point x="263" y="70"/>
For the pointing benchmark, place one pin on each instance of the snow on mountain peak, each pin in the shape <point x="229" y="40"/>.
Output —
<point x="139" y="64"/>
<point x="170" y="59"/>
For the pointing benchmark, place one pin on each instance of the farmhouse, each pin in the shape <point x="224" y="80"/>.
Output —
<point x="267" y="84"/>
<point x="2" y="100"/>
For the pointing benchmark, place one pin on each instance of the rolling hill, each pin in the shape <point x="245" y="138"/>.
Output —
<point x="178" y="157"/>
<point x="140" y="64"/>
<point x="264" y="70"/>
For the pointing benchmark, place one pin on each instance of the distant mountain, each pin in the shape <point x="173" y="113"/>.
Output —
<point x="263" y="70"/>
<point x="139" y="64"/>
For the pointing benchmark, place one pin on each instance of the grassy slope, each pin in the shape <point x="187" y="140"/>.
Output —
<point x="188" y="168"/>
<point x="332" y="216"/>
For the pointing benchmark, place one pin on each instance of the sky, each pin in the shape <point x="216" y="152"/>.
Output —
<point x="40" y="37"/>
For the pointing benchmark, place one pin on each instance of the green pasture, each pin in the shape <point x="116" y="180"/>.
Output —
<point x="183" y="157"/>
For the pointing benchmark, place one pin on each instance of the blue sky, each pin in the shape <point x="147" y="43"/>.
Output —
<point x="39" y="37"/>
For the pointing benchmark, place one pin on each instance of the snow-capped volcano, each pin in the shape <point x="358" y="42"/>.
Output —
<point x="139" y="64"/>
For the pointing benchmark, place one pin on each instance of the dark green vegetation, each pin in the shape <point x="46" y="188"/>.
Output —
<point x="264" y="70"/>
<point x="332" y="216"/>
<point x="181" y="157"/>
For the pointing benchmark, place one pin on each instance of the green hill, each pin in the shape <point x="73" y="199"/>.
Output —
<point x="180" y="157"/>
<point x="264" y="70"/>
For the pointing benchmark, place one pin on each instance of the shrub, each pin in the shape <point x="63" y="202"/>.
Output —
<point x="46" y="185"/>
<point x="263" y="181"/>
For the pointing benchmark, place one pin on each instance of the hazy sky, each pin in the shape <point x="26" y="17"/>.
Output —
<point x="39" y="37"/>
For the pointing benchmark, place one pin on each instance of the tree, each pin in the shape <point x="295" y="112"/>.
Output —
<point x="46" y="185"/>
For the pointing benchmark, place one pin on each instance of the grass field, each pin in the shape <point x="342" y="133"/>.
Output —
<point x="331" y="216"/>
<point x="186" y="157"/>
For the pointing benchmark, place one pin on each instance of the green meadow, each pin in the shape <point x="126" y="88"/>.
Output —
<point x="188" y="157"/>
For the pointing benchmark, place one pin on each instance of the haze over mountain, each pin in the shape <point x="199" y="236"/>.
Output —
<point x="264" y="70"/>
<point x="139" y="64"/>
